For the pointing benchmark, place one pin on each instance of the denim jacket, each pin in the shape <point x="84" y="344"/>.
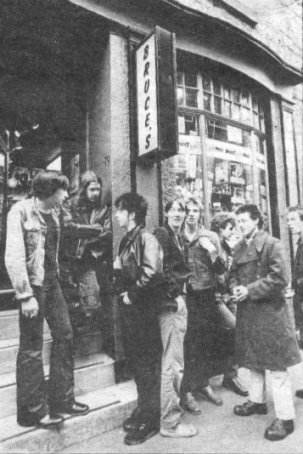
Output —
<point x="25" y="240"/>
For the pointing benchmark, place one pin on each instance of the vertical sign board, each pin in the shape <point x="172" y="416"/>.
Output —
<point x="156" y="96"/>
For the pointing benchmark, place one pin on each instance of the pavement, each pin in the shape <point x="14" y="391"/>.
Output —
<point x="220" y="431"/>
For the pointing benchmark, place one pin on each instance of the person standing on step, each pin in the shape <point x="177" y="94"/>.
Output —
<point x="295" y="225"/>
<point x="205" y="263"/>
<point x="138" y="273"/>
<point x="265" y="336"/>
<point x="31" y="258"/>
<point x="224" y="224"/>
<point x="173" y="321"/>
<point x="86" y="244"/>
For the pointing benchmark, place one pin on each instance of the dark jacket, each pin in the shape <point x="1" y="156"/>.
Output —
<point x="86" y="236"/>
<point x="202" y="270"/>
<point x="297" y="278"/>
<point x="141" y="259"/>
<point x="265" y="337"/>
<point x="176" y="271"/>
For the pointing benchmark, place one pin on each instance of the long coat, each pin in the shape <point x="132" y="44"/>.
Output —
<point x="265" y="337"/>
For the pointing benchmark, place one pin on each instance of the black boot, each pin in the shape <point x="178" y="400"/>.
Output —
<point x="279" y="429"/>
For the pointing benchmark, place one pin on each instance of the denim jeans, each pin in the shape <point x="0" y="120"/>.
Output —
<point x="33" y="399"/>
<point x="173" y="328"/>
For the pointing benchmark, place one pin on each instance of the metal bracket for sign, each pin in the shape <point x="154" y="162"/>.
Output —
<point x="156" y="96"/>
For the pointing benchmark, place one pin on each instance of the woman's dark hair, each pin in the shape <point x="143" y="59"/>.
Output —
<point x="170" y="203"/>
<point x="221" y="220"/>
<point x="47" y="182"/>
<point x="253" y="211"/>
<point x="296" y="209"/>
<point x="133" y="203"/>
<point x="86" y="179"/>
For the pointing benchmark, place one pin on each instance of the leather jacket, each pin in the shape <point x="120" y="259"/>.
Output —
<point x="141" y="259"/>
<point x="202" y="270"/>
<point x="297" y="278"/>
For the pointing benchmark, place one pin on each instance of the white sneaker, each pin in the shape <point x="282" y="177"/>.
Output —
<point x="181" y="430"/>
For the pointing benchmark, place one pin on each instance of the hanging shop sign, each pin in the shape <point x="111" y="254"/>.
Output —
<point x="156" y="96"/>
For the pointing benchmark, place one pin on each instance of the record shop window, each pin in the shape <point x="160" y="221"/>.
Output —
<point x="233" y="139"/>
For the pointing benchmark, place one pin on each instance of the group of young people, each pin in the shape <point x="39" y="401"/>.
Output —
<point x="173" y="286"/>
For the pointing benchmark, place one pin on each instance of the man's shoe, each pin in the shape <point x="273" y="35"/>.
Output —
<point x="133" y="421"/>
<point x="234" y="385"/>
<point x="279" y="429"/>
<point x="49" y="421"/>
<point x="180" y="431"/>
<point x="74" y="409"/>
<point x="190" y="404"/>
<point x="299" y="393"/>
<point x="208" y="392"/>
<point x="250" y="408"/>
<point x="140" y="434"/>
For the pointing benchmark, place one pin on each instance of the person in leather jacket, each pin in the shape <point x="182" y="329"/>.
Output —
<point x="85" y="249"/>
<point x="138" y="270"/>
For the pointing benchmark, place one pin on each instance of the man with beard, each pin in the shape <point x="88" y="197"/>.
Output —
<point x="85" y="246"/>
<point x="265" y="337"/>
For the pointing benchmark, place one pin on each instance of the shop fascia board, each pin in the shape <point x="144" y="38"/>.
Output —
<point x="140" y="24"/>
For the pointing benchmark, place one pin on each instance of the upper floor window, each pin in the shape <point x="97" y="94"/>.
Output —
<point x="222" y="96"/>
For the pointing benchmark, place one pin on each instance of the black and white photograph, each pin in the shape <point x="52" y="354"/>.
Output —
<point x="151" y="226"/>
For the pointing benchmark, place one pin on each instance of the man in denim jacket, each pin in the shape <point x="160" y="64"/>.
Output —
<point x="31" y="259"/>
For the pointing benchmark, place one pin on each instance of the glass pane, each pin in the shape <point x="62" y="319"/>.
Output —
<point x="217" y="130"/>
<point x="188" y="124"/>
<point x="218" y="105"/>
<point x="180" y="96"/>
<point x="206" y="82"/>
<point x="236" y="95"/>
<point x="255" y="104"/>
<point x="191" y="98"/>
<point x="256" y="120"/>
<point x="217" y="87"/>
<point x="245" y="97"/>
<point x="246" y="115"/>
<point x="179" y="77"/>
<point x="190" y="80"/>
<point x="207" y="101"/>
<point x="262" y="119"/>
<point x="226" y="92"/>
<point x="236" y="112"/>
<point x="227" y="108"/>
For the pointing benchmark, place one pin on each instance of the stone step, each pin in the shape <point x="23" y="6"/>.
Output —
<point x="109" y="407"/>
<point x="9" y="325"/>
<point x="92" y="372"/>
<point x="84" y="345"/>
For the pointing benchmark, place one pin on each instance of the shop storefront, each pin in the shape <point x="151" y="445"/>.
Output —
<point x="222" y="156"/>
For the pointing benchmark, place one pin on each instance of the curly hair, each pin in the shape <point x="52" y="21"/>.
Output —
<point x="221" y="220"/>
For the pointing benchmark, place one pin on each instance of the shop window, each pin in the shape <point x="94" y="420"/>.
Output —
<point x="221" y="130"/>
<point x="187" y="89"/>
<point x="188" y="124"/>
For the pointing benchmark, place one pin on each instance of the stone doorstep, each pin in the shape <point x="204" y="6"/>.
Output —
<point x="91" y="372"/>
<point x="109" y="407"/>
<point x="84" y="346"/>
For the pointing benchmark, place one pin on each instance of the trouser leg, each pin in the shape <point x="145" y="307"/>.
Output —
<point x="61" y="376"/>
<point x="31" y="388"/>
<point x="257" y="391"/>
<point x="282" y="394"/>
<point x="173" y="329"/>
<point x="143" y="348"/>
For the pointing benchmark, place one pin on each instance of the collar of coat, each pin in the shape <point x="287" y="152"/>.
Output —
<point x="258" y="241"/>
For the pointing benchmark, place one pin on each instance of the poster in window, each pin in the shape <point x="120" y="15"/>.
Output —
<point x="237" y="173"/>
<point x="221" y="171"/>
